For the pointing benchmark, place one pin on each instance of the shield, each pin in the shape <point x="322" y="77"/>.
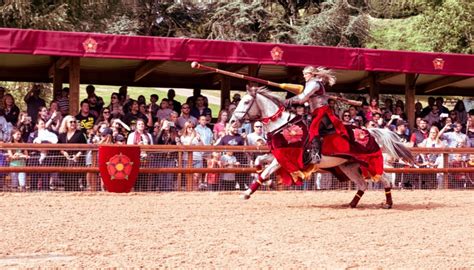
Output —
<point x="119" y="166"/>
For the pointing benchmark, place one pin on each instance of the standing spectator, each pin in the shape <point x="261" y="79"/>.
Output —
<point x="25" y="126"/>
<point x="212" y="179"/>
<point x="167" y="135"/>
<point x="2" y="93"/>
<point x="173" y="119"/>
<point x="433" y="116"/>
<point x="434" y="160"/>
<point x="229" y="179"/>
<point x="461" y="112"/>
<point x="54" y="117"/>
<point x="426" y="110"/>
<point x="119" y="128"/>
<point x="90" y="89"/>
<point x="124" y="98"/>
<point x="115" y="106"/>
<point x="153" y="106"/>
<point x="221" y="123"/>
<point x="105" y="117"/>
<point x="186" y="116"/>
<point x="85" y="118"/>
<point x="141" y="137"/>
<point x="470" y="128"/>
<point x="63" y="101"/>
<point x="141" y="99"/>
<point x="11" y="110"/>
<point x="440" y="103"/>
<point x="132" y="117"/>
<point x="34" y="102"/>
<point x="418" y="109"/>
<point x="176" y="104"/>
<point x="200" y="108"/>
<point x="234" y="138"/>
<point x="163" y="112"/>
<point x="346" y="118"/>
<point x="420" y="134"/>
<point x="258" y="133"/>
<point x="191" y="137"/>
<point x="401" y="132"/>
<point x="69" y="133"/>
<point x="373" y="108"/>
<point x="17" y="158"/>
<point x="40" y="181"/>
<point x="454" y="138"/>
<point x="457" y="180"/>
<point x="205" y="133"/>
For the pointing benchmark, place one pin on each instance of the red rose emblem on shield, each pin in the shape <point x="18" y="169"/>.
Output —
<point x="90" y="45"/>
<point x="119" y="166"/>
<point x="277" y="53"/>
<point x="293" y="134"/>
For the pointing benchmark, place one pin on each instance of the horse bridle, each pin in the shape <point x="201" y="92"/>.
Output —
<point x="254" y="97"/>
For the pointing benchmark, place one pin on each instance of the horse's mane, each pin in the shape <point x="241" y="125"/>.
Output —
<point x="264" y="91"/>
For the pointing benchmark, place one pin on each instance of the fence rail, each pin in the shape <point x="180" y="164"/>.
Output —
<point x="49" y="168"/>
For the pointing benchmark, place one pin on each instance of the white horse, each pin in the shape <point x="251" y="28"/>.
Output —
<point x="261" y="104"/>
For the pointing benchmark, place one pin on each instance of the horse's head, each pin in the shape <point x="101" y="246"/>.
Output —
<point x="247" y="108"/>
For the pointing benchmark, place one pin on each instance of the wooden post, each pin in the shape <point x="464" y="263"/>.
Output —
<point x="445" y="175"/>
<point x="253" y="72"/>
<point x="373" y="86"/>
<point x="57" y="82"/>
<point x="179" y="177"/>
<point x="225" y="90"/>
<point x="74" y="83"/>
<point x="189" y="176"/>
<point x="410" y="99"/>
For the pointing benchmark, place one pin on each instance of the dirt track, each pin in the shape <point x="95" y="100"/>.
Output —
<point x="426" y="229"/>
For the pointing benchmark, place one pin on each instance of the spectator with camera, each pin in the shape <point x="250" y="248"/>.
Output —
<point x="454" y="138"/>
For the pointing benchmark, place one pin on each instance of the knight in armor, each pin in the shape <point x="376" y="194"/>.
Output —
<point x="324" y="121"/>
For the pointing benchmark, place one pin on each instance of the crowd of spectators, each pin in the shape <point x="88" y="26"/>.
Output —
<point x="168" y="122"/>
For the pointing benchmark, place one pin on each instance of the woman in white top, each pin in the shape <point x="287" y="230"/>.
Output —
<point x="191" y="137"/>
<point x="434" y="160"/>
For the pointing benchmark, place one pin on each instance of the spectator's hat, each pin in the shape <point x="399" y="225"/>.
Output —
<point x="106" y="131"/>
<point x="119" y="138"/>
<point x="402" y="123"/>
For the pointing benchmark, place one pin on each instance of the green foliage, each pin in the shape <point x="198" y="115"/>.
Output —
<point x="443" y="28"/>
<point x="340" y="24"/>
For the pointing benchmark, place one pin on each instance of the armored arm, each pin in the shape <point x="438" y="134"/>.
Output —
<point x="310" y="88"/>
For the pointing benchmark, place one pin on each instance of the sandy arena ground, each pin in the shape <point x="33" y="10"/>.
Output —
<point x="284" y="230"/>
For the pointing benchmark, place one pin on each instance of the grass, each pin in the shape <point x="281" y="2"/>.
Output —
<point x="105" y="92"/>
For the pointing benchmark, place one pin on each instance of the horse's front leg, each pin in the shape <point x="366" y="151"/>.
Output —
<point x="262" y="177"/>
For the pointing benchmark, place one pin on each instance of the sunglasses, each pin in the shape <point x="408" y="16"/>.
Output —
<point x="106" y="112"/>
<point x="70" y="122"/>
<point x="346" y="115"/>
<point x="258" y="126"/>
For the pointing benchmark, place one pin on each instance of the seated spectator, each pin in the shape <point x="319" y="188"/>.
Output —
<point x="105" y="116"/>
<point x="11" y="110"/>
<point x="433" y="116"/>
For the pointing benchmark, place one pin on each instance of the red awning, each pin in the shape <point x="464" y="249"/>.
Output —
<point x="93" y="45"/>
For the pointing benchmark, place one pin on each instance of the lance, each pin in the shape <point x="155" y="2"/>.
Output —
<point x="293" y="88"/>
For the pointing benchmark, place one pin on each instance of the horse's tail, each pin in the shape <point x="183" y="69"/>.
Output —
<point x="391" y="144"/>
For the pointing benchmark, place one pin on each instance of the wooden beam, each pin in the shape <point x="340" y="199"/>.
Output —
<point x="225" y="90"/>
<point x="74" y="83"/>
<point x="441" y="83"/>
<point x="410" y="80"/>
<point x="379" y="77"/>
<point x="146" y="68"/>
<point x="59" y="63"/>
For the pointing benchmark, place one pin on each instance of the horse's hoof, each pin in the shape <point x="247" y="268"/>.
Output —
<point x="386" y="206"/>
<point x="245" y="196"/>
